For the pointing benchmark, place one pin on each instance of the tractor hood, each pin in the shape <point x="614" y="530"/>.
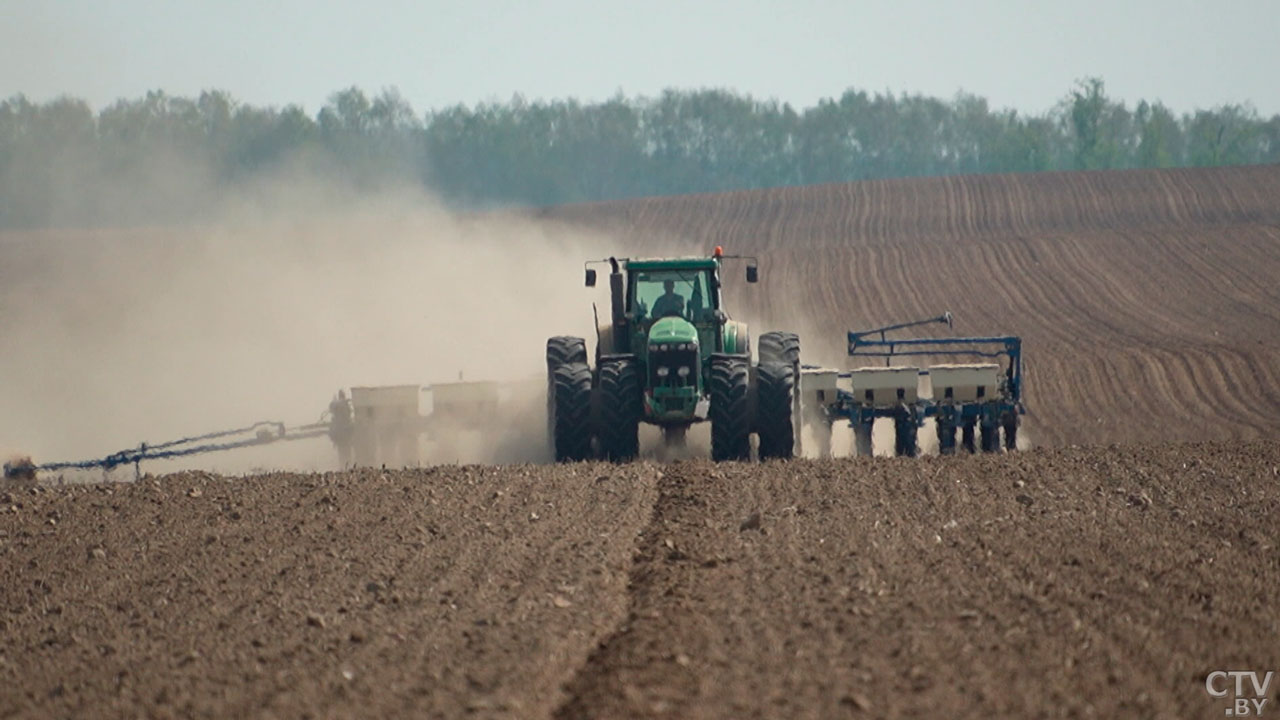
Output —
<point x="672" y="330"/>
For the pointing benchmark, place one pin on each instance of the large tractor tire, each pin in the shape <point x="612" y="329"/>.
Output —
<point x="568" y="399"/>
<point x="775" y="418"/>
<point x="563" y="350"/>
<point x="621" y="406"/>
<point x="730" y="410"/>
<point x="783" y="348"/>
<point x="778" y="347"/>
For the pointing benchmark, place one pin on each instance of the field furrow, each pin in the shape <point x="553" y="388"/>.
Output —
<point x="1147" y="299"/>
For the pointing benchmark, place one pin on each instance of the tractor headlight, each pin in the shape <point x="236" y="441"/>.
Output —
<point x="683" y="372"/>
<point x="663" y="371"/>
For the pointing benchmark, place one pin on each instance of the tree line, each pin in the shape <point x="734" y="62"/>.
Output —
<point x="160" y="157"/>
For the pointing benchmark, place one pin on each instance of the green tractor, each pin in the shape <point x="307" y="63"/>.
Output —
<point x="670" y="356"/>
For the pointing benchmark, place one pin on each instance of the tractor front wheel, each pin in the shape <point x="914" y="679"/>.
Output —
<point x="730" y="411"/>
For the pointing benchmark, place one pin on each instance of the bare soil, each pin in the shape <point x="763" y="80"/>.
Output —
<point x="1147" y="300"/>
<point x="1080" y="579"/>
<point x="1077" y="582"/>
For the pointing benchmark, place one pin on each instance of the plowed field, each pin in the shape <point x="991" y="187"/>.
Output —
<point x="1148" y="301"/>
<point x="1054" y="583"/>
<point x="1080" y="579"/>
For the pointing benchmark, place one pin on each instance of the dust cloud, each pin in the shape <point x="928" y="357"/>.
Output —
<point x="291" y="290"/>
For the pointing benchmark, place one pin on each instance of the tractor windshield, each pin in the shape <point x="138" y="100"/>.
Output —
<point x="671" y="293"/>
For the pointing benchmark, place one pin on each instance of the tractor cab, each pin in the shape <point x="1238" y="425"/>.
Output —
<point x="686" y="291"/>
<point x="672" y="308"/>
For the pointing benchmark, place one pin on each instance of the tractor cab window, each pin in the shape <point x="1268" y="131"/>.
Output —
<point x="671" y="293"/>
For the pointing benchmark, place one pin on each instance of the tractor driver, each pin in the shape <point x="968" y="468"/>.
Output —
<point x="669" y="303"/>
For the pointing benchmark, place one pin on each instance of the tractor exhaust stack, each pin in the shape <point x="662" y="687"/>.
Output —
<point x="617" y="301"/>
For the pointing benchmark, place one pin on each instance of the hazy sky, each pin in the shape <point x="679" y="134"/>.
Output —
<point x="1023" y="54"/>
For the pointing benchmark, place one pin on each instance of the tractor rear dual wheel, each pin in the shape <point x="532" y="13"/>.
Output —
<point x="621" y="406"/>
<point x="730" y="411"/>
<point x="778" y="406"/>
<point x="777" y="347"/>
<point x="568" y="399"/>
<point x="775" y="426"/>
<point x="564" y="350"/>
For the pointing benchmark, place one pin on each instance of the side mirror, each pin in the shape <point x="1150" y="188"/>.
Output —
<point x="591" y="277"/>
<point x="753" y="273"/>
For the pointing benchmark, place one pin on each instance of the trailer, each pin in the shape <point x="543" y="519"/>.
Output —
<point x="372" y="426"/>
<point x="388" y="422"/>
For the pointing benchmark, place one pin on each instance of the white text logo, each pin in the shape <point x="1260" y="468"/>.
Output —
<point x="1247" y="689"/>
